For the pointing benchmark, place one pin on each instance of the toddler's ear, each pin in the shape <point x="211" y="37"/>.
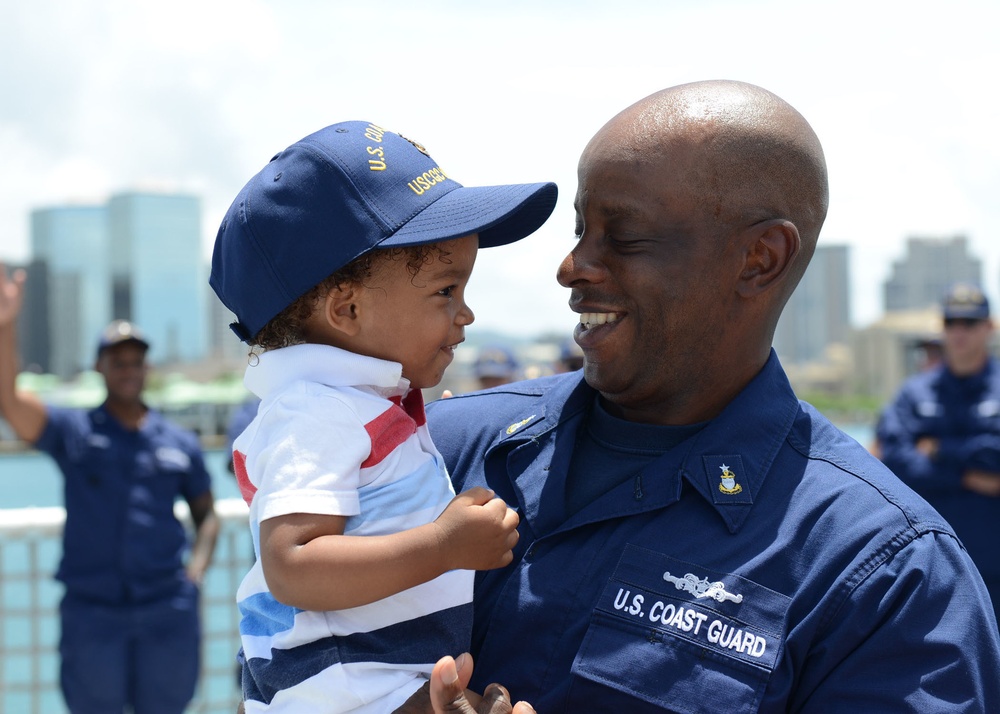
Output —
<point x="340" y="309"/>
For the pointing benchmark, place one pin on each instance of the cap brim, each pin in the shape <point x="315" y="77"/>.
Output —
<point x="108" y="344"/>
<point x="499" y="214"/>
<point x="976" y="314"/>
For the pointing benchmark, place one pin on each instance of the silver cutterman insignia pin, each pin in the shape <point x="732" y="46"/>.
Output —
<point x="701" y="587"/>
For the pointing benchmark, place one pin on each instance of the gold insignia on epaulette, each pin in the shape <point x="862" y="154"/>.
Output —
<point x="514" y="427"/>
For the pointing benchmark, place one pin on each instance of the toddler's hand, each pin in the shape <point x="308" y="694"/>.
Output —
<point x="478" y="531"/>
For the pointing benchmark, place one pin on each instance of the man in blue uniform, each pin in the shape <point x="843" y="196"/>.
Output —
<point x="693" y="538"/>
<point x="130" y="634"/>
<point x="941" y="434"/>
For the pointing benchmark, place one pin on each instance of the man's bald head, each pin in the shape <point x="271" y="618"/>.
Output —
<point x="755" y="157"/>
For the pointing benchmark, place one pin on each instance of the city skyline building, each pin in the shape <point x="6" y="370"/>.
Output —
<point x="818" y="313"/>
<point x="158" y="277"/>
<point x="929" y="267"/>
<point x="224" y="345"/>
<point x="70" y="241"/>
<point x="136" y="257"/>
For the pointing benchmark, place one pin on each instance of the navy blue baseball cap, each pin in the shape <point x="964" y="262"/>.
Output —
<point x="495" y="361"/>
<point x="118" y="332"/>
<point x="339" y="193"/>
<point x="965" y="301"/>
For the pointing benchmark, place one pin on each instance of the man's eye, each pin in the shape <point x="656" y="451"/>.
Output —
<point x="625" y="241"/>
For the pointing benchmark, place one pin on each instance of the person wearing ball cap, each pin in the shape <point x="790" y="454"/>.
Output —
<point x="694" y="538"/>
<point x="345" y="261"/>
<point x="941" y="433"/>
<point x="495" y="365"/>
<point x="129" y="618"/>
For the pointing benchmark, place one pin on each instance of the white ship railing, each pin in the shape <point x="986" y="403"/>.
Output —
<point x="30" y="547"/>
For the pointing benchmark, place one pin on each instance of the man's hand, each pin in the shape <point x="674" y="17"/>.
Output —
<point x="446" y="693"/>
<point x="984" y="483"/>
<point x="11" y="294"/>
<point x="928" y="446"/>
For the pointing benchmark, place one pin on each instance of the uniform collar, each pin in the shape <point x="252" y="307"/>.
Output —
<point x="559" y="400"/>
<point x="981" y="376"/>
<point x="726" y="462"/>
<point x="151" y="419"/>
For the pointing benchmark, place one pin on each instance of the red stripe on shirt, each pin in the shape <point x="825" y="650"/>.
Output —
<point x="247" y="489"/>
<point x="387" y="431"/>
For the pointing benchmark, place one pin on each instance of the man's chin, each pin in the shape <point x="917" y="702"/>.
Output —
<point x="608" y="384"/>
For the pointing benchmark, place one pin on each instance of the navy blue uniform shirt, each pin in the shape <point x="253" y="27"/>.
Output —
<point x="122" y="542"/>
<point x="963" y="414"/>
<point x="767" y="563"/>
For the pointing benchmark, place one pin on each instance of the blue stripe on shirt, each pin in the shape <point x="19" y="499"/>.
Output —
<point x="422" y="640"/>
<point x="263" y="616"/>
<point x="400" y="497"/>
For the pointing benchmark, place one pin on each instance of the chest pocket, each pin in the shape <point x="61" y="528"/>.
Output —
<point x="99" y="462"/>
<point x="677" y="637"/>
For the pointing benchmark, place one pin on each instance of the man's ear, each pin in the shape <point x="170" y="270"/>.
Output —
<point x="339" y="308"/>
<point x="101" y="361"/>
<point x="772" y="247"/>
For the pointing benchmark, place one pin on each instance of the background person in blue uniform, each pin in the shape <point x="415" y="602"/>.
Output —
<point x="941" y="434"/>
<point x="693" y="537"/>
<point x="240" y="420"/>
<point x="130" y="634"/>
<point x="570" y="357"/>
<point x="495" y="365"/>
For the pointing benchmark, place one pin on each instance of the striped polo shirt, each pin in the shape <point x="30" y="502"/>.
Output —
<point x="342" y="434"/>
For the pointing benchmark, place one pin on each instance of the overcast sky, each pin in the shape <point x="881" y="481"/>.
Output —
<point x="196" y="95"/>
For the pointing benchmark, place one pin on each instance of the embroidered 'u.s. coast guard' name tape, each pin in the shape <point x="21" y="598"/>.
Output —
<point x="723" y="634"/>
<point x="725" y="614"/>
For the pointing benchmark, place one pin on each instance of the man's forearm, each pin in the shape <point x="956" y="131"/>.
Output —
<point x="24" y="412"/>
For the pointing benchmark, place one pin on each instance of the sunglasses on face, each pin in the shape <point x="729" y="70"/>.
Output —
<point x="965" y="322"/>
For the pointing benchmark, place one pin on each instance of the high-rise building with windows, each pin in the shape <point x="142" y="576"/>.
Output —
<point x="72" y="244"/>
<point x="137" y="257"/>
<point x="931" y="265"/>
<point x="158" y="276"/>
<point x="818" y="312"/>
